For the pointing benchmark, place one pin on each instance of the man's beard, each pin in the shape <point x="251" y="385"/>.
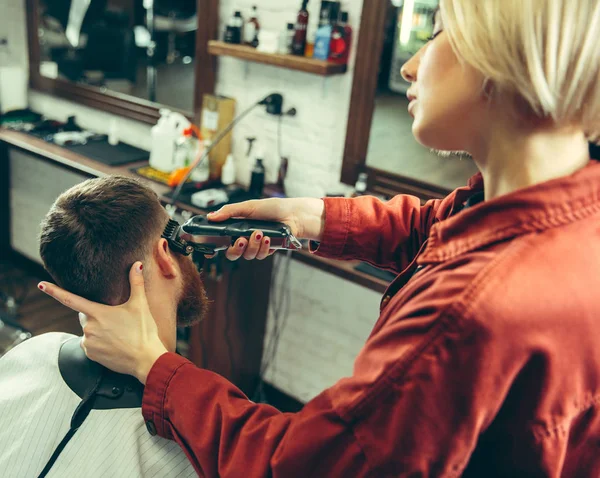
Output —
<point x="193" y="303"/>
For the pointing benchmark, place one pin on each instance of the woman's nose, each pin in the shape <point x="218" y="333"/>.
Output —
<point x="410" y="68"/>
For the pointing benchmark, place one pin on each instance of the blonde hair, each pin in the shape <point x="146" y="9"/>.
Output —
<point x="547" y="52"/>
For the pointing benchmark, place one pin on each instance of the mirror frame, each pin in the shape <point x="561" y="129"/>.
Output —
<point x="122" y="104"/>
<point x="362" y="106"/>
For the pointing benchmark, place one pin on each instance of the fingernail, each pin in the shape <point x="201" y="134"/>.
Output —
<point x="242" y="245"/>
<point x="140" y="267"/>
<point x="267" y="242"/>
<point x="41" y="286"/>
<point x="258" y="237"/>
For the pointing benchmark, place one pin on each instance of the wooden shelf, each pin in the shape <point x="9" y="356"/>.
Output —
<point x="291" y="62"/>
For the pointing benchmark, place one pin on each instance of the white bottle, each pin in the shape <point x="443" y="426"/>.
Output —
<point x="360" y="188"/>
<point x="202" y="171"/>
<point x="186" y="148"/>
<point x="165" y="134"/>
<point x="113" y="132"/>
<point x="228" y="171"/>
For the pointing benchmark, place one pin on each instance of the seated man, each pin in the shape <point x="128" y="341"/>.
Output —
<point x="60" y="413"/>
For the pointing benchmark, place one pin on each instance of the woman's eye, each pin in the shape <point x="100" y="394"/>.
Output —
<point x="432" y="37"/>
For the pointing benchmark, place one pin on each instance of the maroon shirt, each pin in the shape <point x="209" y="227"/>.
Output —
<point x="484" y="363"/>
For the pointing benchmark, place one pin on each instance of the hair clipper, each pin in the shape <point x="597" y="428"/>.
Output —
<point x="201" y="235"/>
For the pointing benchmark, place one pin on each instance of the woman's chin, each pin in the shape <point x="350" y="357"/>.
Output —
<point x="432" y="138"/>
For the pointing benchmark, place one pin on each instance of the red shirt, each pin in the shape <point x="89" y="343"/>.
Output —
<point x="485" y="363"/>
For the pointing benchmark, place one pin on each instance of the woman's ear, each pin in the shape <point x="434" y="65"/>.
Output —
<point x="165" y="260"/>
<point x="488" y="89"/>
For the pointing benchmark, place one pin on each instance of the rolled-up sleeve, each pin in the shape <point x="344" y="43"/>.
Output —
<point x="387" y="235"/>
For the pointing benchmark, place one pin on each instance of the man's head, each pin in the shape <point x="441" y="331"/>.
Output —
<point x="94" y="233"/>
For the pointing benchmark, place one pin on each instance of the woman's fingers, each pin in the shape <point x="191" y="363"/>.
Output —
<point x="256" y="247"/>
<point x="72" y="301"/>
<point x="237" y="250"/>
<point x="253" y="246"/>
<point x="242" y="210"/>
<point x="263" y="252"/>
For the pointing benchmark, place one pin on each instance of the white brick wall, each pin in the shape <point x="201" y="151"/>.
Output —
<point x="12" y="27"/>
<point x="329" y="321"/>
<point x="14" y="61"/>
<point x="330" y="318"/>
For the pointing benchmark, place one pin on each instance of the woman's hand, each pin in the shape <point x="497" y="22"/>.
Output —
<point x="123" y="338"/>
<point x="304" y="216"/>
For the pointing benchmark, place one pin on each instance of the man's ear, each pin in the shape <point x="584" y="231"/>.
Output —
<point x="165" y="260"/>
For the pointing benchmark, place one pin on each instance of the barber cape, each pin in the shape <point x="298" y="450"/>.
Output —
<point x="36" y="406"/>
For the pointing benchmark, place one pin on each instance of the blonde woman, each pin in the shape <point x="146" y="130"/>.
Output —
<point x="485" y="360"/>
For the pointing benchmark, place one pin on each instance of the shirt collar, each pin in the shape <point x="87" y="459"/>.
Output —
<point x="533" y="209"/>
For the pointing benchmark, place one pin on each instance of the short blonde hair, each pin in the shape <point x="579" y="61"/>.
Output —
<point x="545" y="51"/>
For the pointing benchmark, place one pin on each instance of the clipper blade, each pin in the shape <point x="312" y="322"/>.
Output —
<point x="170" y="232"/>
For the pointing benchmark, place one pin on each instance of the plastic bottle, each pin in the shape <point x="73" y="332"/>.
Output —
<point x="228" y="171"/>
<point x="257" y="182"/>
<point x="234" y="29"/>
<point x="185" y="149"/>
<point x="311" y="38"/>
<point x="202" y="172"/>
<point x="323" y="38"/>
<point x="360" y="188"/>
<point x="286" y="40"/>
<point x="341" y="41"/>
<point x="252" y="29"/>
<point x="164" y="134"/>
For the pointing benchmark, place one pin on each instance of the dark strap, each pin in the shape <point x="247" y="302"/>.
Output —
<point x="79" y="373"/>
<point x="81" y="413"/>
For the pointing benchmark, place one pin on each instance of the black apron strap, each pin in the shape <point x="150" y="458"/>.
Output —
<point x="81" y="413"/>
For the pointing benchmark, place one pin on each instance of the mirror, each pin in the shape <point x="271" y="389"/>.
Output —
<point x="140" y="48"/>
<point x="392" y="147"/>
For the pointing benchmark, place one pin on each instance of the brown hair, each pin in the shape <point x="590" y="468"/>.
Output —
<point x="95" y="231"/>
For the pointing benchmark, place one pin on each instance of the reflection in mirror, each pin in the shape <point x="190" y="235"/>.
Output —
<point x="392" y="147"/>
<point x="142" y="48"/>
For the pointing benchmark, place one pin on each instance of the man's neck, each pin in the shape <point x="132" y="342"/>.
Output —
<point x="516" y="159"/>
<point x="164" y="311"/>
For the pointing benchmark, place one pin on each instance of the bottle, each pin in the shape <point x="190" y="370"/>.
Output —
<point x="165" y="134"/>
<point x="360" y="188"/>
<point x="299" y="44"/>
<point x="287" y="40"/>
<point x="202" y="171"/>
<point x="283" y="169"/>
<point x="311" y="37"/>
<point x="323" y="38"/>
<point x="257" y="182"/>
<point x="252" y="29"/>
<point x="228" y="171"/>
<point x="341" y="41"/>
<point x="233" y="32"/>
<point x="113" y="132"/>
<point x="185" y="148"/>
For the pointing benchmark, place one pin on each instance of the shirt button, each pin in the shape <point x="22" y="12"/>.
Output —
<point x="151" y="427"/>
